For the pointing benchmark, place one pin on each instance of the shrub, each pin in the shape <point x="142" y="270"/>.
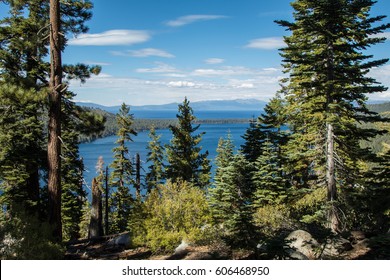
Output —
<point x="25" y="237"/>
<point x="176" y="212"/>
<point x="272" y="219"/>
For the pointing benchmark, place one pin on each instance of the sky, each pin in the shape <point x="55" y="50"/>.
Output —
<point x="159" y="51"/>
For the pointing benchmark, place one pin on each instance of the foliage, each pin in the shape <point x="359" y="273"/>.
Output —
<point x="25" y="237"/>
<point x="234" y="210"/>
<point x="176" y="211"/>
<point x="327" y="89"/>
<point x="185" y="160"/>
<point x="268" y="177"/>
<point x="121" y="177"/>
<point x="155" y="158"/>
<point x="271" y="219"/>
<point x="21" y="141"/>
<point x="225" y="155"/>
<point x="253" y="137"/>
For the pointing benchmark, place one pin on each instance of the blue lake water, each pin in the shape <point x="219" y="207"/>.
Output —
<point x="171" y="114"/>
<point x="90" y="152"/>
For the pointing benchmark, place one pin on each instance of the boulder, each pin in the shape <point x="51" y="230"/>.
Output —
<point x="357" y="236"/>
<point x="335" y="246"/>
<point x="303" y="243"/>
<point x="122" y="240"/>
<point x="182" y="247"/>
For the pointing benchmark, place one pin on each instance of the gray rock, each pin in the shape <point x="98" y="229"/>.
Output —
<point x="303" y="242"/>
<point x="182" y="247"/>
<point x="336" y="246"/>
<point x="295" y="255"/>
<point x="121" y="240"/>
<point x="357" y="236"/>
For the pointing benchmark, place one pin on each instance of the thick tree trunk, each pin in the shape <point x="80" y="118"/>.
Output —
<point x="54" y="127"/>
<point x="95" y="225"/>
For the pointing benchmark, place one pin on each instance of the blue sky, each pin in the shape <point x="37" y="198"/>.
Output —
<point x="158" y="51"/>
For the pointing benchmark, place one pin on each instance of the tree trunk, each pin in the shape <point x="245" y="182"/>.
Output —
<point x="330" y="179"/>
<point x="106" y="208"/>
<point x="95" y="225"/>
<point x="138" y="177"/>
<point x="54" y="126"/>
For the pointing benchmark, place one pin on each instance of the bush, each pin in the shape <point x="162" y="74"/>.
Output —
<point x="271" y="219"/>
<point x="24" y="237"/>
<point x="176" y="212"/>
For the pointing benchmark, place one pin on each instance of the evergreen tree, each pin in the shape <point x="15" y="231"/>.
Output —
<point x="267" y="177"/>
<point x="185" y="160"/>
<point x="254" y="138"/>
<point x="24" y="47"/>
<point x="21" y="141"/>
<point x="235" y="207"/>
<point x="155" y="158"/>
<point x="328" y="84"/>
<point x="225" y="155"/>
<point x="122" y="174"/>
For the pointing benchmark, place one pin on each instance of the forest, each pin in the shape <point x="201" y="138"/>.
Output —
<point x="311" y="180"/>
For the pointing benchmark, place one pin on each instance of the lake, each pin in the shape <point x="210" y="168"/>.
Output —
<point x="90" y="152"/>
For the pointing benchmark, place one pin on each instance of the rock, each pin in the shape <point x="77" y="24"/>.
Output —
<point x="336" y="246"/>
<point x="121" y="240"/>
<point x="303" y="242"/>
<point x="357" y="236"/>
<point x="295" y="255"/>
<point x="181" y="248"/>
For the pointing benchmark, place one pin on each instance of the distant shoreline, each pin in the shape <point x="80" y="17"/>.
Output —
<point x="146" y="124"/>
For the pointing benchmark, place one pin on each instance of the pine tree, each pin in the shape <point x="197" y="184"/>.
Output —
<point x="24" y="48"/>
<point x="254" y="138"/>
<point x="225" y="155"/>
<point x="268" y="177"/>
<point x="155" y="158"/>
<point x="328" y="85"/>
<point x="235" y="207"/>
<point x="122" y="174"/>
<point x="185" y="160"/>
<point x="21" y="141"/>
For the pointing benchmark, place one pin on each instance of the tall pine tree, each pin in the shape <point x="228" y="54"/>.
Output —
<point x="122" y="174"/>
<point x="328" y="85"/>
<point x="185" y="160"/>
<point x="155" y="158"/>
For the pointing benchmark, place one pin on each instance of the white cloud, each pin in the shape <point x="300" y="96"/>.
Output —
<point x="214" y="61"/>
<point x="89" y="62"/>
<point x="223" y="71"/>
<point x="184" y="20"/>
<point x="382" y="35"/>
<point x="181" y="84"/>
<point x="111" y="38"/>
<point x="164" y="83"/>
<point x="382" y="75"/>
<point x="144" y="53"/>
<point x="160" y="68"/>
<point x="270" y="43"/>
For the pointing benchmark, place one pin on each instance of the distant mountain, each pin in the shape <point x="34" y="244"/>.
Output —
<point x="211" y="105"/>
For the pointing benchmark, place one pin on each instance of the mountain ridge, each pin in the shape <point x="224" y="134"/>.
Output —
<point x="209" y="105"/>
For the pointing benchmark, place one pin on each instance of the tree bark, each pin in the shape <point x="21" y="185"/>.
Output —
<point x="106" y="208"/>
<point x="333" y="219"/>
<point x="96" y="225"/>
<point x="138" y="177"/>
<point x="330" y="170"/>
<point x="54" y="126"/>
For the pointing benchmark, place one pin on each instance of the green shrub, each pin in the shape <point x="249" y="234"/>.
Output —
<point x="176" y="212"/>
<point x="272" y="219"/>
<point x="24" y="237"/>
